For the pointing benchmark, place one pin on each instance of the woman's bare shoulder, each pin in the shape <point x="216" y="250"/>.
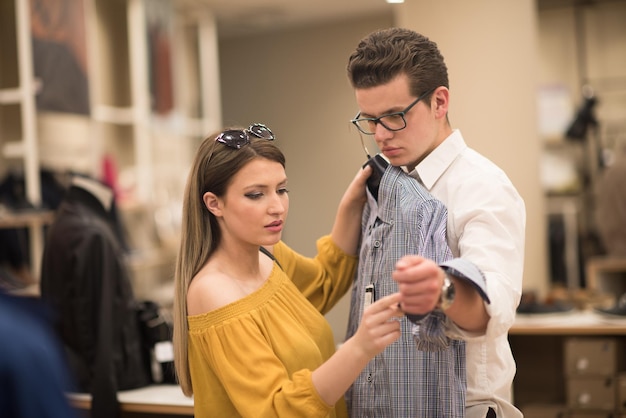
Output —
<point x="210" y="290"/>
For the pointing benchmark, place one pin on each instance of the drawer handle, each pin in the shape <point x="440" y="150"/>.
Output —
<point x="584" y="398"/>
<point x="582" y="364"/>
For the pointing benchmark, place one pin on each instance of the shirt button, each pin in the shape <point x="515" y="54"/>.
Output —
<point x="377" y="244"/>
<point x="369" y="377"/>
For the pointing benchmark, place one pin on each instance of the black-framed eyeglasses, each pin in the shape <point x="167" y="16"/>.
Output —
<point x="237" y="138"/>
<point x="391" y="121"/>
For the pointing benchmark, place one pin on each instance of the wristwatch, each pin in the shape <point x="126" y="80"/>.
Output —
<point x="447" y="293"/>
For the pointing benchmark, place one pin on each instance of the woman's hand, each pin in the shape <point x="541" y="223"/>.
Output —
<point x="347" y="227"/>
<point x="355" y="193"/>
<point x="379" y="327"/>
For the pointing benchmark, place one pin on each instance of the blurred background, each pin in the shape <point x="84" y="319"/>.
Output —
<point x="124" y="91"/>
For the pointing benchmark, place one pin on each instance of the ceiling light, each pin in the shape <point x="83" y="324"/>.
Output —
<point x="395" y="1"/>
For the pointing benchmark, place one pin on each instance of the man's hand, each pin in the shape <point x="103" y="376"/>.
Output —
<point x="419" y="282"/>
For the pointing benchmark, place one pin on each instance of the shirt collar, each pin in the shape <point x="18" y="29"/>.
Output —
<point x="436" y="163"/>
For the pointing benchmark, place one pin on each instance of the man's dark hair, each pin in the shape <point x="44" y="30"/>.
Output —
<point x="384" y="54"/>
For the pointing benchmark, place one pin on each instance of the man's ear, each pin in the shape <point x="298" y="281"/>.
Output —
<point x="441" y="102"/>
<point x="212" y="203"/>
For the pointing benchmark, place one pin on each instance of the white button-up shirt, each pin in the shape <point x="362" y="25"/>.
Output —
<point x="486" y="225"/>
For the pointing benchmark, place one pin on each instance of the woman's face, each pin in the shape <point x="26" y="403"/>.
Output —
<point x="255" y="205"/>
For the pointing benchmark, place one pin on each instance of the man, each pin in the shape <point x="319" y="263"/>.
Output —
<point x="402" y="91"/>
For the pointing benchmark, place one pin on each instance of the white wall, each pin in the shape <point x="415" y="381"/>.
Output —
<point x="490" y="49"/>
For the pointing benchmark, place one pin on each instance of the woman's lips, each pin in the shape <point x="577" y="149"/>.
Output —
<point x="276" y="226"/>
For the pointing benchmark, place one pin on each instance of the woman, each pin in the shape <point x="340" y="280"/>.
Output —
<point x="249" y="334"/>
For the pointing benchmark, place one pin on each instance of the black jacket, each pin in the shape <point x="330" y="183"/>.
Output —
<point x="86" y="283"/>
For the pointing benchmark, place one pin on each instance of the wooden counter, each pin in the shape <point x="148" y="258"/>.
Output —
<point x="154" y="399"/>
<point x="568" y="323"/>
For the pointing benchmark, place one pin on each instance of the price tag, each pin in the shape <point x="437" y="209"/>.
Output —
<point x="369" y="295"/>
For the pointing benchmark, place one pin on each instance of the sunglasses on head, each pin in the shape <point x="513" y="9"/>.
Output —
<point x="237" y="138"/>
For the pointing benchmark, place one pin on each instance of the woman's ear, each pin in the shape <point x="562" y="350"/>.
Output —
<point x="212" y="203"/>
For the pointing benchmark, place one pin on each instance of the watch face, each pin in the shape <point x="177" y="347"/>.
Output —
<point x="451" y="291"/>
<point x="447" y="293"/>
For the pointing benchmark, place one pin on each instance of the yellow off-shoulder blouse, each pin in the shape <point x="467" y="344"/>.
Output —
<point x="254" y="357"/>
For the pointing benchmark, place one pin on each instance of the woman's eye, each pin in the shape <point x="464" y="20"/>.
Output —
<point x="283" y="191"/>
<point x="254" y="196"/>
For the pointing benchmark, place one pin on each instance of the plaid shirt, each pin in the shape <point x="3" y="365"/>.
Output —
<point x="405" y="380"/>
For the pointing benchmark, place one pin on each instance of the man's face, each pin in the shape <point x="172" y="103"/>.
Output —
<point x="406" y="147"/>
